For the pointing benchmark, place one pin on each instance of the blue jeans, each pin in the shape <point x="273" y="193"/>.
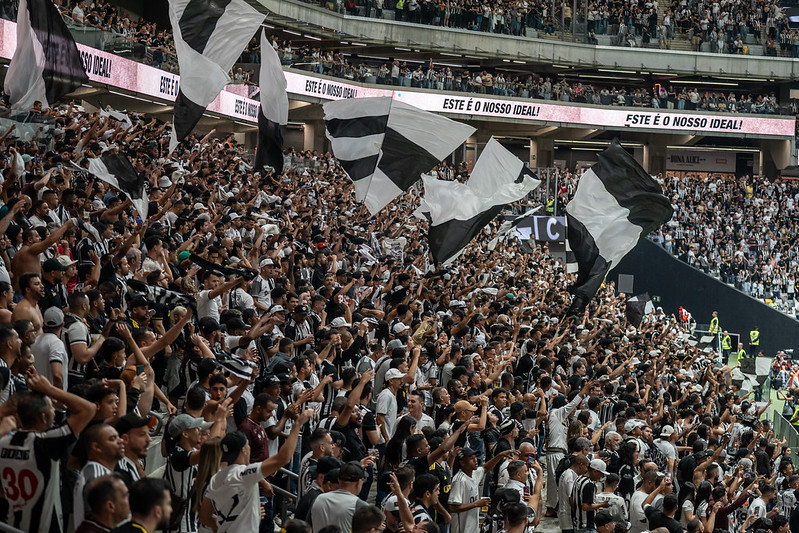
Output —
<point x="268" y="521"/>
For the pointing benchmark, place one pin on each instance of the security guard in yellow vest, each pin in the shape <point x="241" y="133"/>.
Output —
<point x="754" y="340"/>
<point x="741" y="352"/>
<point x="726" y="346"/>
<point x="550" y="208"/>
<point x="714" y="324"/>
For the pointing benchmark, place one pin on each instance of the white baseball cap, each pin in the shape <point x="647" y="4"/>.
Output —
<point x="598" y="465"/>
<point x="393" y="373"/>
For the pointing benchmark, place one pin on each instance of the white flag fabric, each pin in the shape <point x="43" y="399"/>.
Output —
<point x="458" y="211"/>
<point x="274" y="110"/>
<point x="117" y="170"/>
<point x="46" y="64"/>
<point x="617" y="203"/>
<point x="385" y="145"/>
<point x="272" y="83"/>
<point x="209" y="36"/>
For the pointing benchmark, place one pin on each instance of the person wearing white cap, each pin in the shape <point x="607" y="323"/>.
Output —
<point x="262" y="285"/>
<point x="339" y="322"/>
<point x="584" y="497"/>
<point x="665" y="444"/>
<point x="387" y="403"/>
<point x="181" y="464"/>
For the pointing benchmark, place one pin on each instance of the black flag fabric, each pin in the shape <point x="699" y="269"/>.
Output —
<point x="273" y="112"/>
<point x="637" y="308"/>
<point x="270" y="145"/>
<point x="616" y="204"/>
<point x="385" y="145"/>
<point x="457" y="211"/>
<point x="117" y="170"/>
<point x="209" y="36"/>
<point x="46" y="63"/>
<point x="246" y="273"/>
<point x="161" y="295"/>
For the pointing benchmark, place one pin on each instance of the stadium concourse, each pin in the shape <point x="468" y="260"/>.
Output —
<point x="198" y="338"/>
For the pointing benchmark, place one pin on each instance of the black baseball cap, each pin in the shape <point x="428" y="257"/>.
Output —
<point x="133" y="421"/>
<point x="232" y="444"/>
<point x="351" y="472"/>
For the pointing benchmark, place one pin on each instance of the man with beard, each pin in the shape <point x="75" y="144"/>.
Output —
<point x="104" y="449"/>
<point x="150" y="507"/>
<point x="135" y="434"/>
<point x="32" y="290"/>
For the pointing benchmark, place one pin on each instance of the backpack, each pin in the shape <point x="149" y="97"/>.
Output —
<point x="657" y="457"/>
<point x="563" y="465"/>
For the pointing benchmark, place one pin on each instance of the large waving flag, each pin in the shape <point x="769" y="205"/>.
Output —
<point x="616" y="204"/>
<point x="117" y="170"/>
<point x="457" y="211"/>
<point x="274" y="110"/>
<point x="385" y="145"/>
<point x="209" y="36"/>
<point x="46" y="63"/>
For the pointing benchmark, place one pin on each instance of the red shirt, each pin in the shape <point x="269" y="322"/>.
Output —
<point x="259" y="443"/>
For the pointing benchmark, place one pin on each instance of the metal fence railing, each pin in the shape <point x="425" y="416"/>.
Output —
<point x="784" y="430"/>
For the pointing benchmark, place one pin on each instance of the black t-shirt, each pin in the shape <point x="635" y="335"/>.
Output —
<point x="658" y="519"/>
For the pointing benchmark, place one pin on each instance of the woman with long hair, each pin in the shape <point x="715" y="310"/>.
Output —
<point x="702" y="501"/>
<point x="686" y="503"/>
<point x="210" y="461"/>
<point x="395" y="448"/>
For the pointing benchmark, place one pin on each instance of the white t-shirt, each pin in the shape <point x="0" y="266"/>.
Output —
<point x="757" y="509"/>
<point x="617" y="507"/>
<point x="387" y="406"/>
<point x="234" y="492"/>
<point x="465" y="489"/>
<point x="638" y="521"/>
<point x="208" y="306"/>
<point x="565" y="486"/>
<point x="47" y="349"/>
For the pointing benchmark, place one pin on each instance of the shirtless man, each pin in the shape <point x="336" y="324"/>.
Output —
<point x="27" y="258"/>
<point x="32" y="289"/>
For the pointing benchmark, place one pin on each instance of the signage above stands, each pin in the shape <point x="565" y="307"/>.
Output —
<point x="122" y="73"/>
<point x="535" y="111"/>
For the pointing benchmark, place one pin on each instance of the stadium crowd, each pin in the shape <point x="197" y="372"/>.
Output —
<point x="739" y="230"/>
<point x="278" y="325"/>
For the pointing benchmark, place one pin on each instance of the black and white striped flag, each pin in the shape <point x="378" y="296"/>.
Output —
<point x="46" y="63"/>
<point x="616" y="204"/>
<point x="385" y="145"/>
<point x="457" y="211"/>
<point x="637" y="307"/>
<point x="117" y="170"/>
<point x="273" y="113"/>
<point x="161" y="295"/>
<point x="209" y="36"/>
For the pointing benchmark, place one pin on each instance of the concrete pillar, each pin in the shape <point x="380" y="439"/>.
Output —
<point x="532" y="159"/>
<point x="314" y="135"/>
<point x="655" y="158"/>
<point x="777" y="154"/>
<point x="545" y="156"/>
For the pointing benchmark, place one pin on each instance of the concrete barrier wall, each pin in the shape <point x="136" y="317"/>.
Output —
<point x="678" y="284"/>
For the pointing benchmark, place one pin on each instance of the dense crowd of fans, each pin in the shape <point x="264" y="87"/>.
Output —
<point x="277" y="324"/>
<point x="724" y="26"/>
<point x="739" y="230"/>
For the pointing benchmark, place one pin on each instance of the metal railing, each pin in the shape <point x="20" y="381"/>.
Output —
<point x="785" y="430"/>
<point x="286" y="495"/>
